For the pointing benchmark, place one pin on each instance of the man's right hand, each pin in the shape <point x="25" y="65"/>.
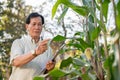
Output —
<point x="42" y="47"/>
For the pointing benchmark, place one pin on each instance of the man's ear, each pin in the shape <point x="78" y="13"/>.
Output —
<point x="26" y="26"/>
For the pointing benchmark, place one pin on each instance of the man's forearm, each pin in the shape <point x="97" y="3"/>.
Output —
<point x="23" y="59"/>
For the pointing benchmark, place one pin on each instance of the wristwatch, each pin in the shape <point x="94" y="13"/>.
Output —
<point x="33" y="52"/>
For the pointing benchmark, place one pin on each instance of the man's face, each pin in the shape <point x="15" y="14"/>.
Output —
<point x="35" y="27"/>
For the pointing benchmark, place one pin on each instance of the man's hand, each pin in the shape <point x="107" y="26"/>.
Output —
<point x="50" y="65"/>
<point x="42" y="47"/>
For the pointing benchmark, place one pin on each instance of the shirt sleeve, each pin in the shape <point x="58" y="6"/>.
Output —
<point x="16" y="50"/>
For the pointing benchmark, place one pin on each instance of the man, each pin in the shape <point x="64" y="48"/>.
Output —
<point x="30" y="54"/>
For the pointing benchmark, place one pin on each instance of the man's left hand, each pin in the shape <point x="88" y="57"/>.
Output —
<point x="50" y="65"/>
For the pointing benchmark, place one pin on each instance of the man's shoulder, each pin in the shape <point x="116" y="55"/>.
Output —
<point x="16" y="40"/>
<point x="23" y="37"/>
<point x="20" y="39"/>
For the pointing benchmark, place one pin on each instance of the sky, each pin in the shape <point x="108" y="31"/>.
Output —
<point x="34" y="3"/>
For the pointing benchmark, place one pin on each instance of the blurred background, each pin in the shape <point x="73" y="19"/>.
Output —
<point x="69" y="23"/>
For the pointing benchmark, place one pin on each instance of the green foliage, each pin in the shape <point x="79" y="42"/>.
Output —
<point x="83" y="43"/>
<point x="39" y="78"/>
<point x="82" y="10"/>
<point x="105" y="4"/>
<point x="58" y="38"/>
<point x="78" y="62"/>
<point x="79" y="34"/>
<point x="91" y="19"/>
<point x="102" y="25"/>
<point x="54" y="9"/>
<point x="57" y="73"/>
<point x="118" y="16"/>
<point x="63" y="14"/>
<point x="86" y="77"/>
<point x="92" y="32"/>
<point x="95" y="33"/>
<point x="108" y="66"/>
<point x="66" y="62"/>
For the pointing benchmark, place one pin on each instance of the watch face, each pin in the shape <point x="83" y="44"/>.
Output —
<point x="33" y="53"/>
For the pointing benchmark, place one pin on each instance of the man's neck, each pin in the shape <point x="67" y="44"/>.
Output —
<point x="36" y="39"/>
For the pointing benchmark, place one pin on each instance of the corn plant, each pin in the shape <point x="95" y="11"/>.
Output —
<point x="92" y="59"/>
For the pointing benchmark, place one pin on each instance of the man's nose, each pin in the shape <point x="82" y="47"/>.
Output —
<point x="37" y="26"/>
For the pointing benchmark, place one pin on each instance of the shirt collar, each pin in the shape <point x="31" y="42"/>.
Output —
<point x="32" y="40"/>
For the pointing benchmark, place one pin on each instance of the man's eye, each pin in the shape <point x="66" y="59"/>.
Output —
<point x="33" y="24"/>
<point x="39" y="24"/>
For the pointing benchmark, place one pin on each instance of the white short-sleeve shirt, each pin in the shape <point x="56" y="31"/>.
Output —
<point x="34" y="68"/>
